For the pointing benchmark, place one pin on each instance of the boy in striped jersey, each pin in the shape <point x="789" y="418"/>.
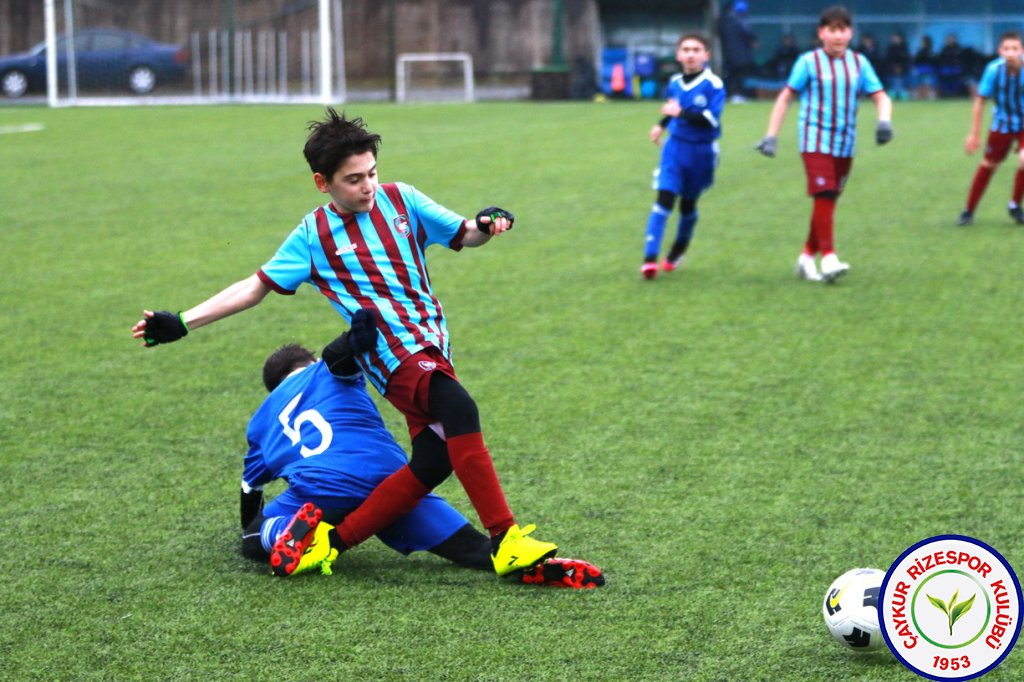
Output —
<point x="365" y="250"/>
<point x="828" y="80"/>
<point x="1003" y="83"/>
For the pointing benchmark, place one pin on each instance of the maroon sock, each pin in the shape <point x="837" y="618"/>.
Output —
<point x="981" y="179"/>
<point x="473" y="465"/>
<point x="395" y="497"/>
<point x="1018" y="186"/>
<point x="823" y="223"/>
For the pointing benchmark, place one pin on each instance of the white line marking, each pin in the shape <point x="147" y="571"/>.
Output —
<point x="25" y="128"/>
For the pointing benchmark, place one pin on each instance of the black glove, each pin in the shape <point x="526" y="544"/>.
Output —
<point x="883" y="133"/>
<point x="164" y="327"/>
<point x="492" y="212"/>
<point x="768" y="145"/>
<point x="362" y="335"/>
<point x="340" y="354"/>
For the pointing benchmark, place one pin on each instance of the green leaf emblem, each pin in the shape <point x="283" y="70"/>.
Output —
<point x="954" y="611"/>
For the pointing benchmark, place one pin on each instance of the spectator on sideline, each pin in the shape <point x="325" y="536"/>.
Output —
<point x="924" y="69"/>
<point x="693" y="117"/>
<point x="738" y="43"/>
<point x="828" y="81"/>
<point x="1003" y="83"/>
<point x="897" y="67"/>
<point x="950" y="68"/>
<point x="784" y="57"/>
<point x="869" y="48"/>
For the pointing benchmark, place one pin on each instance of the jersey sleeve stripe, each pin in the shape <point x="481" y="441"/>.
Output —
<point x="265" y="278"/>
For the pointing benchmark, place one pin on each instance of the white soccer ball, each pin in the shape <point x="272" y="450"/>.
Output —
<point x="851" y="609"/>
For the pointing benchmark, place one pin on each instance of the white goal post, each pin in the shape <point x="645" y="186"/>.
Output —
<point x="403" y="78"/>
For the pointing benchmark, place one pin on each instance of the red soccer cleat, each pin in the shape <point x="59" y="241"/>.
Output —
<point x="292" y="543"/>
<point x="558" y="572"/>
<point x="649" y="270"/>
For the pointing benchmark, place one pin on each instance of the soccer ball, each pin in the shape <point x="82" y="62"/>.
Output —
<point x="851" y="609"/>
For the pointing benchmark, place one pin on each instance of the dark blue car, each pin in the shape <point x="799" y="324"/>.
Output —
<point x="104" y="58"/>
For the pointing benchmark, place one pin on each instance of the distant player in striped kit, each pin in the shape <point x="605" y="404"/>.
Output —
<point x="1003" y="83"/>
<point x="365" y="249"/>
<point x="828" y="80"/>
<point x="693" y="118"/>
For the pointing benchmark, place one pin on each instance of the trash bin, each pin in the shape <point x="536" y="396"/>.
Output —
<point x="550" y="83"/>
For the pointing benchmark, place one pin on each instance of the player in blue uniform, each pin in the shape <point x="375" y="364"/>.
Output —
<point x="1003" y="83"/>
<point x="693" y="118"/>
<point x="828" y="81"/>
<point x="319" y="430"/>
<point x="324" y="435"/>
<point x="365" y="249"/>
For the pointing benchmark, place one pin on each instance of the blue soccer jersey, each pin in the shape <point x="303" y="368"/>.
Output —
<point x="704" y="95"/>
<point x="375" y="260"/>
<point x="325" y="436"/>
<point x="324" y="430"/>
<point x="828" y="88"/>
<point x="1007" y="91"/>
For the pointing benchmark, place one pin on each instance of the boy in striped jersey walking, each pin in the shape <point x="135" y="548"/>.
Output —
<point x="828" y="81"/>
<point x="365" y="250"/>
<point x="1003" y="83"/>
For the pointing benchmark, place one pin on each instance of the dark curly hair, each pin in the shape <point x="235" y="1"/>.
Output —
<point x="336" y="138"/>
<point x="283" y="362"/>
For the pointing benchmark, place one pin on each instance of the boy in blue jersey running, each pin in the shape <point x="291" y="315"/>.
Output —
<point x="365" y="249"/>
<point x="692" y="116"/>
<point x="319" y="430"/>
<point x="828" y="81"/>
<point x="1003" y="83"/>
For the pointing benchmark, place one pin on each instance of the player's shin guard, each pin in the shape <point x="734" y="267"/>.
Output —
<point x="395" y="497"/>
<point x="655" y="231"/>
<point x="475" y="469"/>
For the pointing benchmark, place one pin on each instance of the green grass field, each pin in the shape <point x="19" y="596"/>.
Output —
<point x="723" y="441"/>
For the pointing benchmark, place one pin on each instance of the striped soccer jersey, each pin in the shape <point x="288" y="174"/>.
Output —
<point x="828" y="89"/>
<point x="375" y="260"/>
<point x="1007" y="91"/>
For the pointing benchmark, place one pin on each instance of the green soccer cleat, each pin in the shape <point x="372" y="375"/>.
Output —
<point x="516" y="551"/>
<point x="304" y="545"/>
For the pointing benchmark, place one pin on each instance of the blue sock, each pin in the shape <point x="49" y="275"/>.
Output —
<point x="271" y="529"/>
<point x="655" y="230"/>
<point x="686" y="224"/>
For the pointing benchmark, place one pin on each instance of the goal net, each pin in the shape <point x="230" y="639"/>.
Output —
<point x="150" y="51"/>
<point x="434" y="77"/>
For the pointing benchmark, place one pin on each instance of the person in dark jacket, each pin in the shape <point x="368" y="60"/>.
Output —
<point x="738" y="43"/>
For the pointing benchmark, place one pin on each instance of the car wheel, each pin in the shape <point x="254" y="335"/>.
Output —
<point x="141" y="80"/>
<point x="14" y="83"/>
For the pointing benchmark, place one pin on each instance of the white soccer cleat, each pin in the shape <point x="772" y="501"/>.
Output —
<point x="832" y="268"/>
<point x="807" y="269"/>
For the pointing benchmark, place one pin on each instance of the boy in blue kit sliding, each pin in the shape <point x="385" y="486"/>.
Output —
<point x="319" y="430"/>
<point x="828" y="81"/>
<point x="692" y="116"/>
<point x="366" y="249"/>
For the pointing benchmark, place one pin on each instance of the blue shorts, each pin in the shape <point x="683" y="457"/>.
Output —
<point x="429" y="524"/>
<point x="687" y="168"/>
